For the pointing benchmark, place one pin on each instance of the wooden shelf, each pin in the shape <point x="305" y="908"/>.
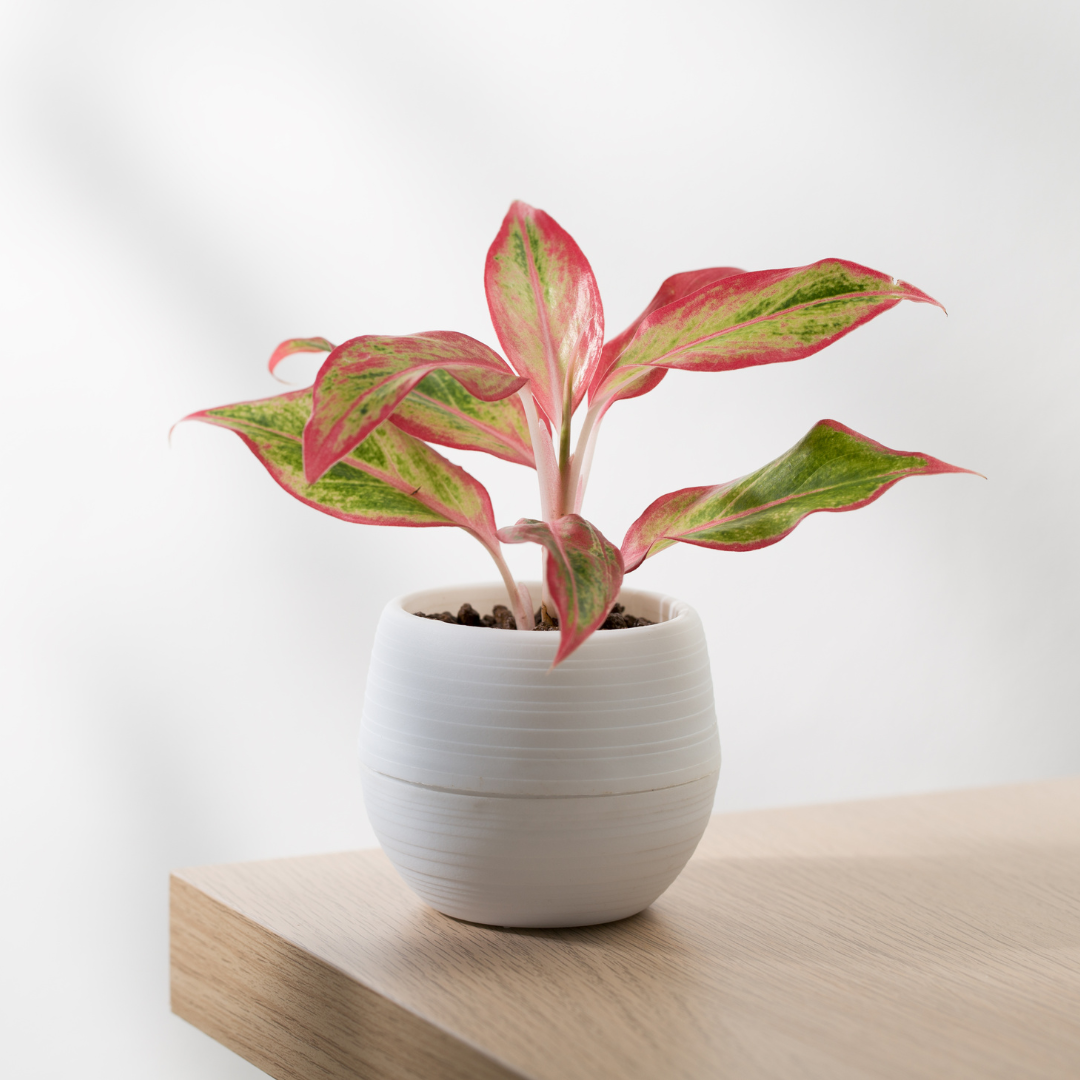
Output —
<point x="934" y="936"/>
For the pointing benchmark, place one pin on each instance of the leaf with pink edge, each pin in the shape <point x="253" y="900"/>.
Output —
<point x="389" y="479"/>
<point x="545" y="306"/>
<point x="832" y="468"/>
<point x="363" y="381"/>
<point x="764" y="317"/>
<point x="297" y="345"/>
<point x="673" y="288"/>
<point x="441" y="410"/>
<point x="584" y="573"/>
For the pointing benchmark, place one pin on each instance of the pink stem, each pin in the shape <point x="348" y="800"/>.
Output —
<point x="547" y="468"/>
<point x="518" y="593"/>
<point x="547" y="472"/>
<point x="583" y="455"/>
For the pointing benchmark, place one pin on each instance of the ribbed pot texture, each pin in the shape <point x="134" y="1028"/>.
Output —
<point x="508" y="793"/>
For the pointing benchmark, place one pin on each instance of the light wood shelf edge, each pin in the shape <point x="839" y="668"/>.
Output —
<point x="934" y="937"/>
<point x="291" y="1014"/>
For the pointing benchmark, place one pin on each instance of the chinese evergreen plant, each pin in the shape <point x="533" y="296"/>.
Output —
<point x="356" y="444"/>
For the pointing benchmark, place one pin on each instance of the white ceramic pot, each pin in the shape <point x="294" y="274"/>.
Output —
<point x="511" y="794"/>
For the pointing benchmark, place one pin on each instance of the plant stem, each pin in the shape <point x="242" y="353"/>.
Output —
<point x="544" y="453"/>
<point x="547" y="473"/>
<point x="522" y="616"/>
<point x="565" y="494"/>
<point x="583" y="455"/>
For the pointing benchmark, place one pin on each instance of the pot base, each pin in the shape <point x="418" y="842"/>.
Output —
<point x="523" y="861"/>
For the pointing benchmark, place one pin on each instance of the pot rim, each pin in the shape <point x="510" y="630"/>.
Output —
<point x="663" y="608"/>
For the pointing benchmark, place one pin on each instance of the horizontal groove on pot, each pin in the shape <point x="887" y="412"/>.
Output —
<point x="503" y="795"/>
<point x="534" y="861"/>
<point x="539" y="745"/>
<point x="478" y="710"/>
<point x="489" y="738"/>
<point x="400" y="690"/>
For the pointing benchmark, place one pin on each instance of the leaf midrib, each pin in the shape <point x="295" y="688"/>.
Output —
<point x="397" y="485"/>
<point x="471" y="421"/>
<point x="550" y="358"/>
<point x="717" y="522"/>
<point x="658" y="361"/>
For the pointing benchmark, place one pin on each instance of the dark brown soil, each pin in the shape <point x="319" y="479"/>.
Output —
<point x="501" y="618"/>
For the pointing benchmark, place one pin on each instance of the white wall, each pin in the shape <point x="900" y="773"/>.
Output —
<point x="184" y="185"/>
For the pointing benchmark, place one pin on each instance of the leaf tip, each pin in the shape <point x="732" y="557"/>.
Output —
<point x="312" y="474"/>
<point x="568" y="643"/>
<point x="917" y="294"/>
<point x="295" y="345"/>
<point x="201" y="414"/>
<point x="958" y="469"/>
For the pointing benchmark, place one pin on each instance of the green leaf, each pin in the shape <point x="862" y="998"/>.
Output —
<point x="764" y="317"/>
<point x="441" y="410"/>
<point x="391" y="478"/>
<point x="584" y="573"/>
<point x="832" y="468"/>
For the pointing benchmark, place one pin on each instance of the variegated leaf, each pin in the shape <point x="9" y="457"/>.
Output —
<point x="831" y="468"/>
<point x="363" y="381"/>
<point x="764" y="317"/>
<point x="441" y="410"/>
<point x="584" y="573"/>
<point x="298" y="345"/>
<point x="546" y="308"/>
<point x="389" y="479"/>
<point x="673" y="288"/>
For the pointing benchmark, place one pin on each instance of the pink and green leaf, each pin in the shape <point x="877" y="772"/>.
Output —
<point x="298" y="345"/>
<point x="673" y="288"/>
<point x="389" y="479"/>
<point x="363" y="381"/>
<point x="440" y="410"/>
<point x="832" y="468"/>
<point x="584" y="573"/>
<point x="764" y="317"/>
<point x="545" y="306"/>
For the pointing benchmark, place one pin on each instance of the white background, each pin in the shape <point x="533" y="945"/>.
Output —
<point x="184" y="185"/>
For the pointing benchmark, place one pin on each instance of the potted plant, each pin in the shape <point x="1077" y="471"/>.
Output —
<point x="555" y="775"/>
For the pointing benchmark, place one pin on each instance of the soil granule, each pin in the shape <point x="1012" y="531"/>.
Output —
<point x="501" y="618"/>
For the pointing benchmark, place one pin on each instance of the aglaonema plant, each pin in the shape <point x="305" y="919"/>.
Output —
<point x="356" y="444"/>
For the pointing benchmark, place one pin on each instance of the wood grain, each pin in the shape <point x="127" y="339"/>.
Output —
<point x="933" y="936"/>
